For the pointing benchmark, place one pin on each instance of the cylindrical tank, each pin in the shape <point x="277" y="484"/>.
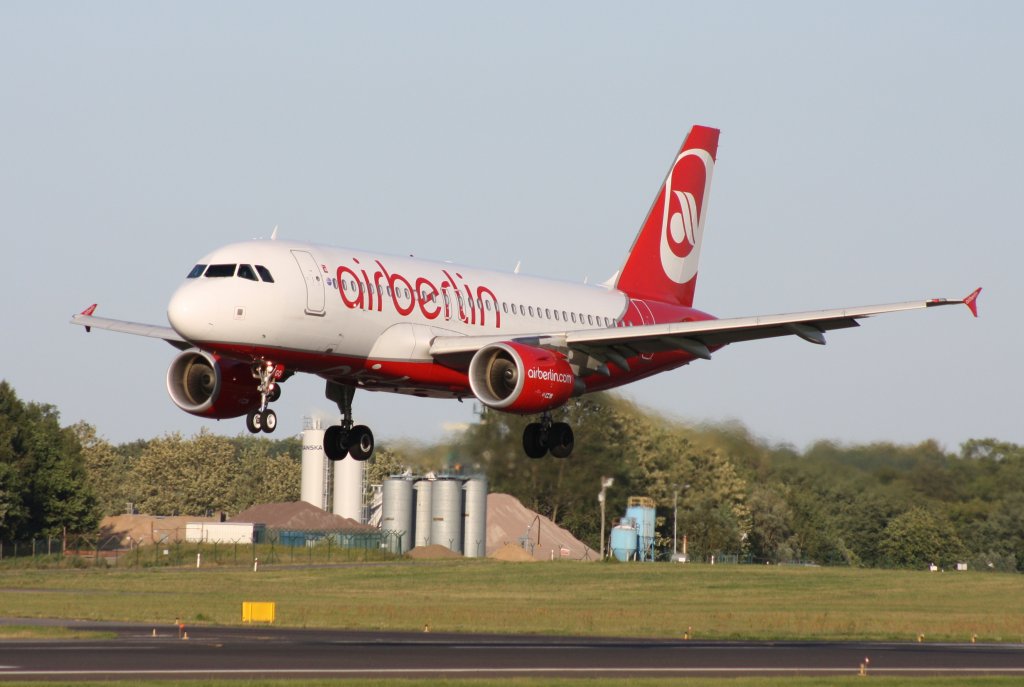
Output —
<point x="446" y="514"/>
<point x="624" y="539"/>
<point x="423" y="492"/>
<point x="313" y="466"/>
<point x="641" y="510"/>
<point x="348" y="488"/>
<point x="474" y="533"/>
<point x="397" y="512"/>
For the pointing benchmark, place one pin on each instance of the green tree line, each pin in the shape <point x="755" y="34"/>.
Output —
<point x="877" y="505"/>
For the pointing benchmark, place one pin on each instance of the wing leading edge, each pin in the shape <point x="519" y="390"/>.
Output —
<point x="696" y="338"/>
<point x="88" y="320"/>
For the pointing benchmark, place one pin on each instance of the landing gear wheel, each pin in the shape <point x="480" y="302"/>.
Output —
<point x="360" y="441"/>
<point x="274" y="394"/>
<point x="535" y="440"/>
<point x="561" y="440"/>
<point x="254" y="421"/>
<point x="268" y="419"/>
<point x="335" y="442"/>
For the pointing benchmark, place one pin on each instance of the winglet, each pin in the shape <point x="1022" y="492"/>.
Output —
<point x="972" y="301"/>
<point x="88" y="312"/>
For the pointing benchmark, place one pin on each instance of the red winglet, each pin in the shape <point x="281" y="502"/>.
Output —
<point x="972" y="301"/>
<point x="89" y="311"/>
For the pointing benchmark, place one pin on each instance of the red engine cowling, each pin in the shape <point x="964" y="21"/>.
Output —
<point x="203" y="384"/>
<point x="521" y="379"/>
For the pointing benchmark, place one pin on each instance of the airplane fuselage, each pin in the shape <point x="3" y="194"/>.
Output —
<point x="369" y="319"/>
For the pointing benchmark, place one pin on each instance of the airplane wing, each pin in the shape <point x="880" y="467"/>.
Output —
<point x="88" y="320"/>
<point x="592" y="349"/>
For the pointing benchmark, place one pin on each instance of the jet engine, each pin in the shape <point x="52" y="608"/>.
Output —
<point x="521" y="379"/>
<point x="203" y="384"/>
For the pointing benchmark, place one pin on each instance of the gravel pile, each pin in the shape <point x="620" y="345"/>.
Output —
<point x="508" y="521"/>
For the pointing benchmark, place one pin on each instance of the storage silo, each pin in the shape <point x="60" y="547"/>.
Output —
<point x="397" y="512"/>
<point x="641" y="510"/>
<point x="423" y="492"/>
<point x="314" y="467"/>
<point x="348" y="488"/>
<point x="475" y="529"/>
<point x="624" y="540"/>
<point x="446" y="514"/>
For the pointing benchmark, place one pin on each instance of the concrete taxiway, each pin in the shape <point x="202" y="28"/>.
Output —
<point x="146" y="651"/>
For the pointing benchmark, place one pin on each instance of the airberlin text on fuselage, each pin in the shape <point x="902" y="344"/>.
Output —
<point x="448" y="296"/>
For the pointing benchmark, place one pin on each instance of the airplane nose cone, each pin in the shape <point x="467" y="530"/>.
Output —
<point x="186" y="313"/>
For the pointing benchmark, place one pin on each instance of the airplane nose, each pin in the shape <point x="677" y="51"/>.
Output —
<point x="186" y="314"/>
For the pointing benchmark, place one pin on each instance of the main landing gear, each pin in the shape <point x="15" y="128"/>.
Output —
<point x="264" y="419"/>
<point x="346" y="439"/>
<point x="541" y="437"/>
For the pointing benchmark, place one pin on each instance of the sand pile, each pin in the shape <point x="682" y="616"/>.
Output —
<point x="508" y="521"/>
<point x="513" y="553"/>
<point x="432" y="552"/>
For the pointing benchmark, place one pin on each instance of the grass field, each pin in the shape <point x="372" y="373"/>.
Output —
<point x="654" y="600"/>
<point x="590" y="682"/>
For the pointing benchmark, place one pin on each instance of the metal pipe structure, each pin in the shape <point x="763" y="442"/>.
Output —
<point x="605" y="483"/>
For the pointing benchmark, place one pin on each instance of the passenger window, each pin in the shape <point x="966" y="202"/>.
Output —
<point x="556" y="314"/>
<point x="197" y="271"/>
<point x="531" y="311"/>
<point x="574" y="318"/>
<point x="565" y="316"/>
<point x="547" y="313"/>
<point x="504" y="308"/>
<point x="245" y="272"/>
<point x="220" y="271"/>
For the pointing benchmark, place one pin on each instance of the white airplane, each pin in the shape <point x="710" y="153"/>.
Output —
<point x="249" y="315"/>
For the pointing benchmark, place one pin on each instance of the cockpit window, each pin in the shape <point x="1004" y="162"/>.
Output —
<point x="197" y="271"/>
<point x="245" y="272"/>
<point x="221" y="271"/>
<point x="264" y="274"/>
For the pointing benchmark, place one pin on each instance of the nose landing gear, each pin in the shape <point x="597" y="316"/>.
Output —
<point x="264" y="419"/>
<point x="541" y="437"/>
<point x="346" y="439"/>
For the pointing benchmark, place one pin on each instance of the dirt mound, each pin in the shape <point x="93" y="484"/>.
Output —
<point x="298" y="515"/>
<point x="432" y="552"/>
<point x="510" y="522"/>
<point x="513" y="553"/>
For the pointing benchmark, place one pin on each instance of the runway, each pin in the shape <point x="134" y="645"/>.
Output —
<point x="250" y="652"/>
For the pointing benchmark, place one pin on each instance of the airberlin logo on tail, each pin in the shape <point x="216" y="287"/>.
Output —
<point x="682" y="220"/>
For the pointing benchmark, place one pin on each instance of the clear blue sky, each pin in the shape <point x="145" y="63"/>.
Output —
<point x="870" y="153"/>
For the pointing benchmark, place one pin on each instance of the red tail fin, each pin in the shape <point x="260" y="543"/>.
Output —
<point x="662" y="264"/>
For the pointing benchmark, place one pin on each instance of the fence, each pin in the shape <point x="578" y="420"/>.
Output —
<point x="276" y="547"/>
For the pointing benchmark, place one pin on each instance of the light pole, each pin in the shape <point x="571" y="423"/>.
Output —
<point x="675" y="521"/>
<point x="605" y="483"/>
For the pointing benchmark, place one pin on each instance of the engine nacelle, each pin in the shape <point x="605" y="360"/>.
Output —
<point x="203" y="384"/>
<point x="521" y="379"/>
